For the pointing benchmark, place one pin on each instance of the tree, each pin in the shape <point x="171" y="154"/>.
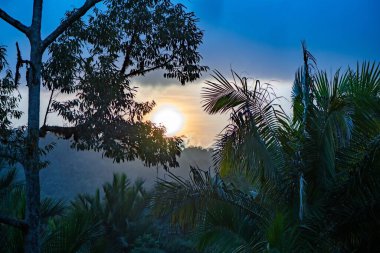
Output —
<point x="116" y="218"/>
<point x="308" y="182"/>
<point x="102" y="224"/>
<point x="124" y="39"/>
<point x="12" y="202"/>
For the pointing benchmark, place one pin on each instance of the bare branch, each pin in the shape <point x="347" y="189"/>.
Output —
<point x="4" y="219"/>
<point x="19" y="64"/>
<point x="76" y="15"/>
<point x="48" y="106"/>
<point x="15" y="23"/>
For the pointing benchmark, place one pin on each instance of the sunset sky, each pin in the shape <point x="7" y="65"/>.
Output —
<point x="257" y="38"/>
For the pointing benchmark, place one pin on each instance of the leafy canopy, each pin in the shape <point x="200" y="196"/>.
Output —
<point x="307" y="182"/>
<point x="93" y="63"/>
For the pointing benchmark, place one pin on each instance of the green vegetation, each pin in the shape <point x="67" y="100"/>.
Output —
<point x="305" y="181"/>
<point x="116" y="219"/>
<point x="309" y="182"/>
<point x="92" y="60"/>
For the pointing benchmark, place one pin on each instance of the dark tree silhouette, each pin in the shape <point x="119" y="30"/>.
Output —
<point x="94" y="60"/>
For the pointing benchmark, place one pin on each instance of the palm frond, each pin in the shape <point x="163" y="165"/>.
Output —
<point x="250" y="141"/>
<point x="222" y="95"/>
<point x="76" y="232"/>
<point x="51" y="208"/>
<point x="8" y="179"/>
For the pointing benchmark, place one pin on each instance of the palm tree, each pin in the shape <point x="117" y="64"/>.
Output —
<point x="307" y="182"/>
<point x="114" y="220"/>
<point x="109" y="223"/>
<point x="10" y="189"/>
<point x="12" y="202"/>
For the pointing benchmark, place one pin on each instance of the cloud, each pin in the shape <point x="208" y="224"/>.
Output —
<point x="156" y="79"/>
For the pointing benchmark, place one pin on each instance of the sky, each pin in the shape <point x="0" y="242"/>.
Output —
<point x="259" y="39"/>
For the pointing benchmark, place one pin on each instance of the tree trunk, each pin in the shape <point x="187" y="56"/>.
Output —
<point x="32" y="163"/>
<point x="32" y="214"/>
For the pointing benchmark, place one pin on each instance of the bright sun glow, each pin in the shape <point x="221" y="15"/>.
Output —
<point x="169" y="117"/>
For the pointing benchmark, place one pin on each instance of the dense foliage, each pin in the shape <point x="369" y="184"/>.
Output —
<point x="96" y="60"/>
<point x="116" y="219"/>
<point x="92" y="61"/>
<point x="308" y="182"/>
<point x="8" y="100"/>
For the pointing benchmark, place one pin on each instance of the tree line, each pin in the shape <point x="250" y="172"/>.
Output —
<point x="93" y="60"/>
<point x="308" y="181"/>
<point x="300" y="182"/>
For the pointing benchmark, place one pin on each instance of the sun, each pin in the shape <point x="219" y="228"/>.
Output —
<point x="169" y="117"/>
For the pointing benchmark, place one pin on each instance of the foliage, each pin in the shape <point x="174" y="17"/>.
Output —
<point x="8" y="100"/>
<point x="92" y="62"/>
<point x="114" y="220"/>
<point x="12" y="202"/>
<point x="96" y="61"/>
<point x="305" y="183"/>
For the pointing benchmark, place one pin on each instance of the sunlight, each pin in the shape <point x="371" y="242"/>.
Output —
<point x="169" y="117"/>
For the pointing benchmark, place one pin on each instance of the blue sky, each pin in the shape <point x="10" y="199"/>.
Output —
<point x="257" y="38"/>
<point x="263" y="36"/>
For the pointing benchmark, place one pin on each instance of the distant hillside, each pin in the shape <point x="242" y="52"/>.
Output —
<point x="71" y="172"/>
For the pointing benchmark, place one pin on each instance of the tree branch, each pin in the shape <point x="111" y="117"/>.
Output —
<point x="128" y="52"/>
<point x="65" y="132"/>
<point x="19" y="64"/>
<point x="48" y="106"/>
<point x="14" y="22"/>
<point x="143" y="71"/>
<point x="4" y="219"/>
<point x="76" y="15"/>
